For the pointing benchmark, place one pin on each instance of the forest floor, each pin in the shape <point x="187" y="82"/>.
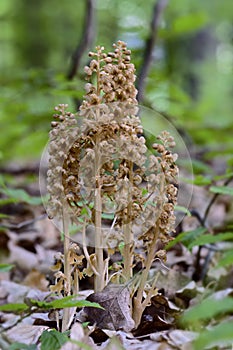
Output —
<point x="29" y="241"/>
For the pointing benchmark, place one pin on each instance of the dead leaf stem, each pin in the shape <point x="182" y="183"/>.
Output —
<point x="139" y="306"/>
<point x="85" y="251"/>
<point x="99" y="281"/>
<point x="67" y="271"/>
<point x="128" y="236"/>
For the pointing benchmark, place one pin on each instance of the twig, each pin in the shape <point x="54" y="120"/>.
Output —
<point x="196" y="215"/>
<point x="149" y="46"/>
<point x="87" y="38"/>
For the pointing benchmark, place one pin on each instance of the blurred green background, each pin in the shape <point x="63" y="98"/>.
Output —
<point x="190" y="78"/>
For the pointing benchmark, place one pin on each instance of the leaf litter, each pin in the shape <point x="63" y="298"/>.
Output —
<point x="29" y="241"/>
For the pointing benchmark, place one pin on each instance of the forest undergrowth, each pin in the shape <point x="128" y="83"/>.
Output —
<point x="112" y="259"/>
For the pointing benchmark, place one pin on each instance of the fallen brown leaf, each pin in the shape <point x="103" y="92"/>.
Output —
<point x="115" y="299"/>
<point x="36" y="279"/>
<point x="24" y="333"/>
<point x="156" y="317"/>
<point x="77" y="334"/>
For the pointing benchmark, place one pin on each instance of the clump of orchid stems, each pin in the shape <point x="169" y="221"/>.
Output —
<point x="100" y="167"/>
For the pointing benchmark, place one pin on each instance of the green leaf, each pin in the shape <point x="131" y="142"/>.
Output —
<point x="22" y="346"/>
<point x="187" y="237"/>
<point x="55" y="304"/>
<point x="209" y="238"/>
<point x="109" y="216"/>
<point x="226" y="259"/>
<point x="201" y="180"/>
<point x="2" y="182"/>
<point x="121" y="246"/>
<point x="6" y="267"/>
<point x="182" y="210"/>
<point x="5" y="201"/>
<point x="13" y="307"/>
<point x="224" y="176"/>
<point x="206" y="310"/>
<point x="144" y="191"/>
<point x="63" y="303"/>
<point x="222" y="190"/>
<point x="85" y="324"/>
<point x="52" y="340"/>
<point x="220" y="335"/>
<point x="19" y="195"/>
<point x="201" y="167"/>
<point x="3" y="216"/>
<point x="189" y="22"/>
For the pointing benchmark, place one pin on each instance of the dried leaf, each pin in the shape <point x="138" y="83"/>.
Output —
<point x="156" y="317"/>
<point x="175" y="339"/>
<point x="222" y="190"/>
<point x="24" y="333"/>
<point x="115" y="300"/>
<point x="15" y="292"/>
<point x="77" y="335"/>
<point x="36" y="279"/>
<point x="25" y="260"/>
<point x="112" y="344"/>
<point x="190" y="290"/>
<point x="5" y="267"/>
<point x="131" y="343"/>
<point x="98" y="335"/>
<point x="179" y="338"/>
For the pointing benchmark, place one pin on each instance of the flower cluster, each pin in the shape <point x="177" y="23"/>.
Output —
<point x="158" y="219"/>
<point x="167" y="161"/>
<point x="115" y="77"/>
<point x="62" y="136"/>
